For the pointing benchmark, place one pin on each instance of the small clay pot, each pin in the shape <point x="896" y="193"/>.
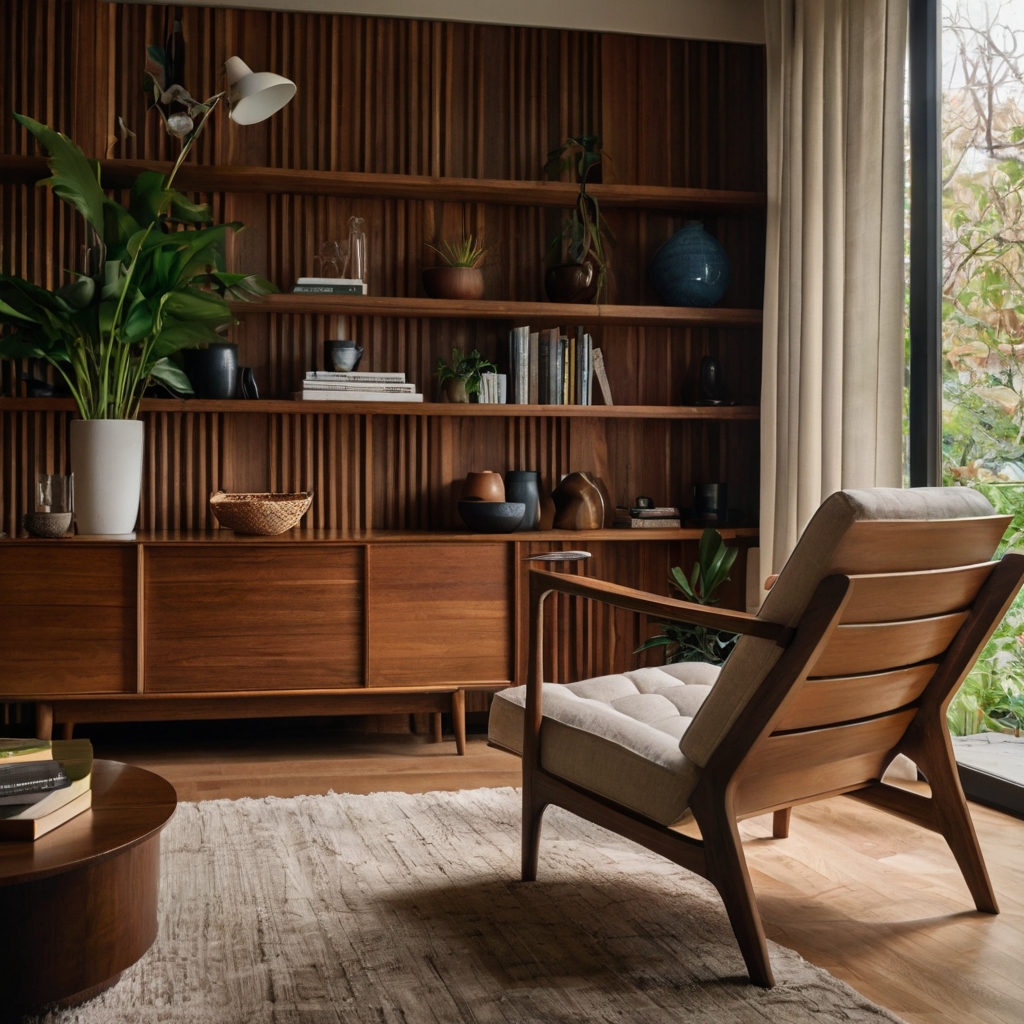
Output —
<point x="571" y="282"/>
<point x="455" y="390"/>
<point x="454" y="282"/>
<point x="487" y="486"/>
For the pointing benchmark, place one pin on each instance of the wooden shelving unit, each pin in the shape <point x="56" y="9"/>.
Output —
<point x="280" y="180"/>
<point x="490" y="309"/>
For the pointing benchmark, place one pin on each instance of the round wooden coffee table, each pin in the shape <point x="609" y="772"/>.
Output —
<point x="78" y="906"/>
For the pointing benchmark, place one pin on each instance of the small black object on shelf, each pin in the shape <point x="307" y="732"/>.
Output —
<point x="213" y="371"/>
<point x="644" y="502"/>
<point x="247" y="383"/>
<point x="711" y="390"/>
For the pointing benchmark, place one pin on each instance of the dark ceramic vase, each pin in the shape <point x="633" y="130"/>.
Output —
<point x="690" y="269"/>
<point x="571" y="282"/>
<point x="213" y="371"/>
<point x="712" y="390"/>
<point x="524" y="485"/>
<point x="454" y="282"/>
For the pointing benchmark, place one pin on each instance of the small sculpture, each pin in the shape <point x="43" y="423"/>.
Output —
<point x="578" y="503"/>
<point x="711" y="390"/>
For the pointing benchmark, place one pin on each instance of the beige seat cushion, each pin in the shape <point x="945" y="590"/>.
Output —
<point x="616" y="735"/>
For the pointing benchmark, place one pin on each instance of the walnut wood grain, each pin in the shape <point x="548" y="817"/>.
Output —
<point x="887" y="597"/>
<point x="85" y="895"/>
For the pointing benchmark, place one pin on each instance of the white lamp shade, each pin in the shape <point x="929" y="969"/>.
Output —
<point x="255" y="95"/>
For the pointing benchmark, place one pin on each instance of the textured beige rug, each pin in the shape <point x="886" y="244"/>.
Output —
<point x="396" y="908"/>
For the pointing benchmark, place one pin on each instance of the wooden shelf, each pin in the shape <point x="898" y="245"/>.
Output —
<point x="415" y="308"/>
<point x="298" y="407"/>
<point x="572" y="538"/>
<point x="221" y="178"/>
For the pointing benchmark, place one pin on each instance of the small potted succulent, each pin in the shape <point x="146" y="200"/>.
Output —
<point x="460" y="275"/>
<point x="462" y="378"/>
<point x="579" y="252"/>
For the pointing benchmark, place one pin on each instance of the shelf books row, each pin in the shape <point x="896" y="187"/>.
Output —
<point x="42" y="785"/>
<point x="332" y="386"/>
<point x="549" y="368"/>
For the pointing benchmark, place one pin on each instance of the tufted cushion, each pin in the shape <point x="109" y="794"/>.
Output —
<point x="616" y="735"/>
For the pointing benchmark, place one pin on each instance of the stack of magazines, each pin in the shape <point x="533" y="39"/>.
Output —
<point x="42" y="785"/>
<point x="334" y="386"/>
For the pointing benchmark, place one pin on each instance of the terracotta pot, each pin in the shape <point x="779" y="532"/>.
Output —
<point x="487" y="486"/>
<point x="455" y="390"/>
<point x="454" y="282"/>
<point x="571" y="282"/>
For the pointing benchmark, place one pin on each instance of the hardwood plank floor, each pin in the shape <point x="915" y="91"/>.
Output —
<point x="876" y="901"/>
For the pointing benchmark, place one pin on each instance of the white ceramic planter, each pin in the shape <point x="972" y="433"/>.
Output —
<point x="106" y="458"/>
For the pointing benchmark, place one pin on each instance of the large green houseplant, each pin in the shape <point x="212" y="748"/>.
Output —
<point x="158" y="286"/>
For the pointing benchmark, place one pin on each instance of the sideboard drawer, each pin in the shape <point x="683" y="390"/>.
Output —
<point x="67" y="618"/>
<point x="249" y="617"/>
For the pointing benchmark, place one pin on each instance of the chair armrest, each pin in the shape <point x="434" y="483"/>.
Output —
<point x="663" y="607"/>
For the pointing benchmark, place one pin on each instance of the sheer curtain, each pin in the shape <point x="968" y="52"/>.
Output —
<point x="832" y="384"/>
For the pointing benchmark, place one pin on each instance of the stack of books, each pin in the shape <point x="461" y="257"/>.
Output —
<point x="550" y="368"/>
<point x="646" y="518"/>
<point x="42" y="785"/>
<point x="493" y="389"/>
<point x="335" y="386"/>
<point x="329" y="286"/>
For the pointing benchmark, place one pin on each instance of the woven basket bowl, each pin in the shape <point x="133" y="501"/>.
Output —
<point x="265" y="515"/>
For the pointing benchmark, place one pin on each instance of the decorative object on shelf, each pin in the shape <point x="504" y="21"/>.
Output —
<point x="357" y="249"/>
<point x="157" y="286"/>
<point x="330" y="261"/>
<point x="342" y="356"/>
<point x="698" y="643"/>
<point x="213" y="371"/>
<point x="581" y="247"/>
<point x="462" y="379"/>
<point x="559" y="556"/>
<point x="524" y="485"/>
<point x="486" y="486"/>
<point x="460" y="275"/>
<point x="710" y="502"/>
<point x="491" y="516"/>
<point x="349" y="386"/>
<point x="47" y="524"/>
<point x="691" y="268"/>
<point x="644" y="503"/>
<point x="262" y="515"/>
<point x="711" y="390"/>
<point x="646" y="515"/>
<point x="247" y="384"/>
<point x="579" y="504"/>
<point x="107" y="459"/>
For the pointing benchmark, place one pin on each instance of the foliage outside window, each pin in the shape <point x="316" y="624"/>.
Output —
<point x="983" y="312"/>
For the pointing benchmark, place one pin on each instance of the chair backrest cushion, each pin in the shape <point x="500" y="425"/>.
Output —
<point x="820" y="552"/>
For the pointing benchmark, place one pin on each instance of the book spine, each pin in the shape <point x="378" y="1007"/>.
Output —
<point x="602" y="377"/>
<point x="396" y="389"/>
<point x="329" y="289"/>
<point x="356" y="378"/>
<point x="534" y="368"/>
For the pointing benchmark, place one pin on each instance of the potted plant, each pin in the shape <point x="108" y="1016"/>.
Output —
<point x="581" y="246"/>
<point x="698" y="643"/>
<point x="462" y="378"/>
<point x="156" y="285"/>
<point x="460" y="275"/>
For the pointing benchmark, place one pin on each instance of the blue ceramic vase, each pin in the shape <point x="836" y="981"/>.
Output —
<point x="690" y="269"/>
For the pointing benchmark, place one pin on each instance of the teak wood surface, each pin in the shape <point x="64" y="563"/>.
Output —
<point x="82" y="900"/>
<point x="764" y="762"/>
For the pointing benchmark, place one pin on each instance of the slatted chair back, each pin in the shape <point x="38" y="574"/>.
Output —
<point x="891" y="598"/>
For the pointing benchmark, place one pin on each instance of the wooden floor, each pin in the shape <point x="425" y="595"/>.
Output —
<point x="875" y="901"/>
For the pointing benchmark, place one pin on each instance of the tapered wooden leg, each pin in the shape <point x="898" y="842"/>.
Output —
<point x="435" y="722"/>
<point x="954" y="818"/>
<point x="68" y="730"/>
<point x="533" y="813"/>
<point x="727" y="871"/>
<point x="459" y="719"/>
<point x="44" y="721"/>
<point x="780" y="823"/>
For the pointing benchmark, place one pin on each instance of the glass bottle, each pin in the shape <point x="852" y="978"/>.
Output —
<point x="356" y="249"/>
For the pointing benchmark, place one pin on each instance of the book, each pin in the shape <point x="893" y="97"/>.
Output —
<point x="17" y="750"/>
<point x="344" y="385"/>
<point x="534" y="388"/>
<point x="519" y="365"/>
<point x="650" y="513"/>
<point x="329" y="289"/>
<point x="355" y="396"/>
<point x="629" y="523"/>
<point x="492" y="388"/>
<point x="24" y="781"/>
<point x="602" y="377"/>
<point x="30" y="827"/>
<point x="356" y="377"/>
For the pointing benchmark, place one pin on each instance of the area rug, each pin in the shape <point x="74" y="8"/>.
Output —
<point x="404" y="909"/>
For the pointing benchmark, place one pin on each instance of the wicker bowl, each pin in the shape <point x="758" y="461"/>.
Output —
<point x="265" y="515"/>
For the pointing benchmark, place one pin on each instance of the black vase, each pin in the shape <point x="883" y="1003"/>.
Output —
<point x="213" y="371"/>
<point x="524" y="485"/>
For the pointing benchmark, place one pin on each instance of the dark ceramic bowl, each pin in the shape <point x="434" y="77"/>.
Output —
<point x="491" y="516"/>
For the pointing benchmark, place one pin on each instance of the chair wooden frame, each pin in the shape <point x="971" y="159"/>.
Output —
<point x="718" y="855"/>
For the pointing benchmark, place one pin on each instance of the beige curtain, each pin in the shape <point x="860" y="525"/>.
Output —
<point x="831" y="395"/>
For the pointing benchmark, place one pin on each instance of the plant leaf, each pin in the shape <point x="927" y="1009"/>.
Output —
<point x="171" y="376"/>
